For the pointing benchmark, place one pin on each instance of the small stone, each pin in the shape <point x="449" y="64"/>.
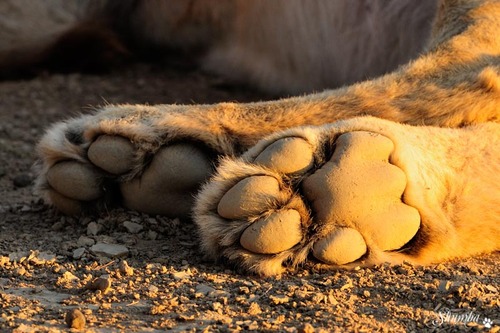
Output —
<point x="253" y="326"/>
<point x="22" y="180"/>
<point x="366" y="293"/>
<point x="18" y="256"/>
<point x="20" y="271"/>
<point x="152" y="235"/>
<point x="181" y="275"/>
<point x="133" y="228"/>
<point x="67" y="278"/>
<point x="402" y="270"/>
<point x="41" y="258"/>
<point x="216" y="306"/>
<point x="78" y="253"/>
<point x="332" y="300"/>
<point x="125" y="268"/>
<point x="219" y="294"/>
<point x="204" y="289"/>
<point x="93" y="228"/>
<point x="244" y="290"/>
<point x="307" y="328"/>
<point x="75" y="319"/>
<point x="58" y="226"/>
<point x="491" y="288"/>
<point x="84" y="241"/>
<point x="444" y="285"/>
<point x="110" y="250"/>
<point x="4" y="261"/>
<point x="279" y="299"/>
<point x="254" y="309"/>
<point x="101" y="283"/>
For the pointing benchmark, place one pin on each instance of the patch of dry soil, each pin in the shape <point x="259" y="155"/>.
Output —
<point x="153" y="278"/>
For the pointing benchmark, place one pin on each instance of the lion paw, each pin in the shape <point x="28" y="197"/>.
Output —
<point x="337" y="197"/>
<point x="84" y="175"/>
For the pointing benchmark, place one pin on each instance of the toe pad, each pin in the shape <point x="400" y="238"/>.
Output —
<point x="340" y="247"/>
<point x="273" y="234"/>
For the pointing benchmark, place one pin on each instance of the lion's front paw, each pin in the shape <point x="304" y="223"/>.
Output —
<point x="335" y="196"/>
<point x="87" y="174"/>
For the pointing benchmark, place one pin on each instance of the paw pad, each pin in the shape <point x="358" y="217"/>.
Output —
<point x="113" y="154"/>
<point x="287" y="155"/>
<point x="75" y="180"/>
<point x="273" y="234"/>
<point x="248" y="197"/>
<point x="340" y="247"/>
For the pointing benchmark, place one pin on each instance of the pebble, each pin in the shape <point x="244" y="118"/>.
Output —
<point x="18" y="256"/>
<point x="152" y="235"/>
<point x="444" y="285"/>
<point x="133" y="228"/>
<point x="85" y="241"/>
<point x="110" y="250"/>
<point x="125" y="268"/>
<point x="41" y="258"/>
<point x="75" y="319"/>
<point x="58" y="226"/>
<point x="93" y="228"/>
<point x="307" y="328"/>
<point x="254" y="309"/>
<point x="68" y="276"/>
<point x="102" y="283"/>
<point x="181" y="275"/>
<point x="4" y="261"/>
<point x="66" y="279"/>
<point x="216" y="306"/>
<point x="78" y="253"/>
<point x="491" y="288"/>
<point x="204" y="289"/>
<point x="279" y="299"/>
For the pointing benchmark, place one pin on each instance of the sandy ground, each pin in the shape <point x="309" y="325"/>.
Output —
<point x="156" y="279"/>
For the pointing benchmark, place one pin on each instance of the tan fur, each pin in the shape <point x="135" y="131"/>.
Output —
<point x="454" y="83"/>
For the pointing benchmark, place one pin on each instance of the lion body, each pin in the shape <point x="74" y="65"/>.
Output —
<point x="283" y="47"/>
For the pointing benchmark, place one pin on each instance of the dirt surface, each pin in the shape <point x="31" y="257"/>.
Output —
<point x="56" y="272"/>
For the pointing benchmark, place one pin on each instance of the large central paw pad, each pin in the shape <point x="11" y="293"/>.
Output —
<point x="357" y="194"/>
<point x="292" y="201"/>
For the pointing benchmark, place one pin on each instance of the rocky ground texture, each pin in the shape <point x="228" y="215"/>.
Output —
<point x="125" y="271"/>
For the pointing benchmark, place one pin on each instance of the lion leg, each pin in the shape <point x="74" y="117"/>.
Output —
<point x="357" y="192"/>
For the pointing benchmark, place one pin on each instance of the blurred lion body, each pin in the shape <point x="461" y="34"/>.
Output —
<point x="282" y="46"/>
